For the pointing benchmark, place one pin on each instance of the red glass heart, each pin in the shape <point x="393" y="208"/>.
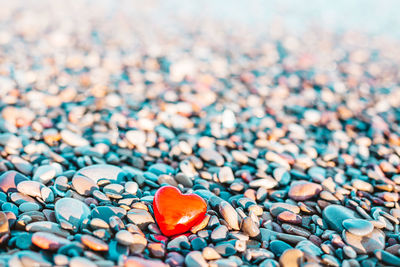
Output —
<point x="175" y="212"/>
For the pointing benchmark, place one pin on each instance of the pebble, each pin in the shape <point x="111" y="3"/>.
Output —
<point x="266" y="182"/>
<point x="124" y="238"/>
<point x="102" y="171"/>
<point x="136" y="261"/>
<point x="303" y="190"/>
<point x="211" y="156"/>
<point x="44" y="174"/>
<point x="195" y="259"/>
<point x="136" y="137"/>
<point x="29" y="206"/>
<point x="387" y="257"/>
<point x="81" y="262"/>
<point x="229" y="214"/>
<point x="335" y="215"/>
<point x="250" y="227"/>
<point x="131" y="187"/>
<point x="358" y="226"/>
<point x="225" y="175"/>
<point x="277" y="208"/>
<point x="219" y="233"/>
<point x="362" y="185"/>
<point x="72" y="211"/>
<point x="4" y="225"/>
<point x="139" y="243"/>
<point x="157" y="250"/>
<point x="46" y="226"/>
<point x="106" y="212"/>
<point x="48" y="241"/>
<point x="210" y="253"/>
<point x="366" y="243"/>
<point x="84" y="185"/>
<point x="73" y="139"/>
<point x="94" y="243"/>
<point x="139" y="217"/>
<point x="289" y="217"/>
<point x="279" y="247"/>
<point x="308" y="247"/>
<point x="291" y="258"/>
<point x="9" y="181"/>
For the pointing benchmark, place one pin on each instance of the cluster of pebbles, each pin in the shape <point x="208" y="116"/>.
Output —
<point x="293" y="141"/>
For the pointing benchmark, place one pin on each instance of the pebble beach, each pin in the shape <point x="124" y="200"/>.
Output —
<point x="292" y="141"/>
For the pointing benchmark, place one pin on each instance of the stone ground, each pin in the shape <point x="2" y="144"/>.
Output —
<point x="292" y="139"/>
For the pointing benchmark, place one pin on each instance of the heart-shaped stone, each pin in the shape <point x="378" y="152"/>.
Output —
<point x="175" y="212"/>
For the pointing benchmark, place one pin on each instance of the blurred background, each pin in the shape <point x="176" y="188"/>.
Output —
<point x="374" y="17"/>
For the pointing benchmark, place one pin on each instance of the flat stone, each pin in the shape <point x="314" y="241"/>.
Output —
<point x="198" y="243"/>
<point x="71" y="210"/>
<point x="277" y="208"/>
<point x="303" y="190"/>
<point x="84" y="185"/>
<point x="49" y="241"/>
<point x="73" y="139"/>
<point x="124" y="237"/>
<point x="102" y="171"/>
<point x="44" y="174"/>
<point x="278" y="247"/>
<point x="97" y="223"/>
<point x="29" y="206"/>
<point x="317" y="173"/>
<point x="266" y="182"/>
<point x="19" y="198"/>
<point x="46" y="226"/>
<point x="113" y="189"/>
<point x="249" y="227"/>
<point x="211" y="156"/>
<point x="358" y="226"/>
<point x="81" y="262"/>
<point x="195" y="259"/>
<point x="157" y="250"/>
<point x="30" y="188"/>
<point x="219" y="233"/>
<point x="139" y="243"/>
<point x="210" y="253"/>
<point x="28" y="258"/>
<point x="141" y="218"/>
<point x="4" y="226"/>
<point x="229" y="214"/>
<point x="9" y="181"/>
<point x="167" y="179"/>
<point x="334" y="215"/>
<point x="106" y="212"/>
<point x="309" y="247"/>
<point x="94" y="243"/>
<point x="116" y="250"/>
<point x="136" y="137"/>
<point x="387" y="257"/>
<point x="10" y="140"/>
<point x="225" y="249"/>
<point x="131" y="187"/>
<point x="24" y="241"/>
<point x="362" y="185"/>
<point x="367" y="243"/>
<point x="225" y="175"/>
<point x="161" y="168"/>
<point x="21" y="165"/>
<point x="184" y="180"/>
<point x="289" y="217"/>
<point x="138" y="262"/>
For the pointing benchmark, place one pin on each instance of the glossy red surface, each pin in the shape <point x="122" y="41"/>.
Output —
<point x="175" y="212"/>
